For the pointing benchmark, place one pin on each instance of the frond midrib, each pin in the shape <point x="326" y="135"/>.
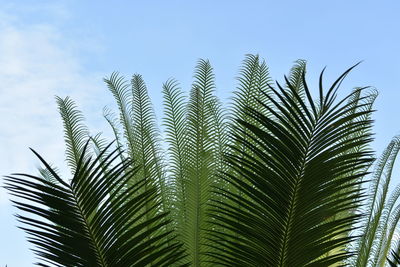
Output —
<point x="288" y="224"/>
<point x="85" y="220"/>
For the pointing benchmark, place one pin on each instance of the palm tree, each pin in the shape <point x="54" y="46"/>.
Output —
<point x="275" y="179"/>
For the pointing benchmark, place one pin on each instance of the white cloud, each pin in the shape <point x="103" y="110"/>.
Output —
<point x="37" y="63"/>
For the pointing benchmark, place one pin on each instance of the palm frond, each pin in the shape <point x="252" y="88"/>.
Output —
<point x="253" y="85"/>
<point x="200" y="154"/>
<point x="378" y="191"/>
<point x="48" y="175"/>
<point x="220" y="126"/>
<point x="361" y="101"/>
<point x="394" y="260"/>
<point x="81" y="222"/>
<point x="148" y="153"/>
<point x="76" y="133"/>
<point x="295" y="77"/>
<point x="389" y="228"/>
<point x="99" y="144"/>
<point x="289" y="182"/>
<point x="176" y="137"/>
<point x="253" y="80"/>
<point x="120" y="90"/>
<point x="113" y="122"/>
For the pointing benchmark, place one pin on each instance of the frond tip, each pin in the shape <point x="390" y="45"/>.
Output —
<point x="75" y="132"/>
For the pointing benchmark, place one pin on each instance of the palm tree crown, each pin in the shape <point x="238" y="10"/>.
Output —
<point x="275" y="179"/>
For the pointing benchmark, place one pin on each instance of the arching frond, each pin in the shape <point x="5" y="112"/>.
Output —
<point x="76" y="133"/>
<point x="253" y="87"/>
<point x="295" y="77"/>
<point x="389" y="227"/>
<point x="113" y="122"/>
<point x="175" y="124"/>
<point x="360" y="101"/>
<point x="252" y="81"/>
<point x="200" y="154"/>
<point x="376" y="201"/>
<point x="394" y="259"/>
<point x="120" y="90"/>
<point x="81" y="222"/>
<point x="148" y="153"/>
<point x="220" y="126"/>
<point x="289" y="182"/>
<point x="47" y="175"/>
<point x="98" y="145"/>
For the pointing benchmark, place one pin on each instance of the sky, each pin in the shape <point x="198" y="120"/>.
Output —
<point x="66" y="48"/>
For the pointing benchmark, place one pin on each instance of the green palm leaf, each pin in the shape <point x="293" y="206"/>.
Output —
<point x="83" y="223"/>
<point x="394" y="261"/>
<point x="379" y="187"/>
<point x="174" y="122"/>
<point x="289" y="182"/>
<point x="148" y="150"/>
<point x="220" y="125"/>
<point x="253" y="80"/>
<point x="201" y="164"/>
<point x="361" y="100"/>
<point x="389" y="228"/>
<point x="120" y="90"/>
<point x="253" y="85"/>
<point x="76" y="133"/>
<point x="113" y="122"/>
<point x="295" y="77"/>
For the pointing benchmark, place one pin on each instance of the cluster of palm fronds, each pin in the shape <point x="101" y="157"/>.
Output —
<point x="276" y="179"/>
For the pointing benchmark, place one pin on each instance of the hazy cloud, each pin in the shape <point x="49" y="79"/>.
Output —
<point x="37" y="63"/>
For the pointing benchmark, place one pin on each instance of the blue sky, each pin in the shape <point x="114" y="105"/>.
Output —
<point x="65" y="48"/>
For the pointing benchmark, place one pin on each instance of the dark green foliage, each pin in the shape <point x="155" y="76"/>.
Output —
<point x="289" y="183"/>
<point x="81" y="223"/>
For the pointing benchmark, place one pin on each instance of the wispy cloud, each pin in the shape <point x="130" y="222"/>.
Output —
<point x="37" y="62"/>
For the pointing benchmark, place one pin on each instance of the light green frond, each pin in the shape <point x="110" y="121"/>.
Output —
<point x="123" y="97"/>
<point x="76" y="133"/>
<point x="114" y="124"/>
<point x="376" y="201"/>
<point x="253" y="81"/>
<point x="362" y="101"/>
<point x="200" y="153"/>
<point x="220" y="126"/>
<point x="139" y="134"/>
<point x="390" y="219"/>
<point x="296" y="77"/>
<point x="175" y="124"/>
<point x="48" y="175"/>
<point x="98" y="145"/>
<point x="148" y="150"/>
